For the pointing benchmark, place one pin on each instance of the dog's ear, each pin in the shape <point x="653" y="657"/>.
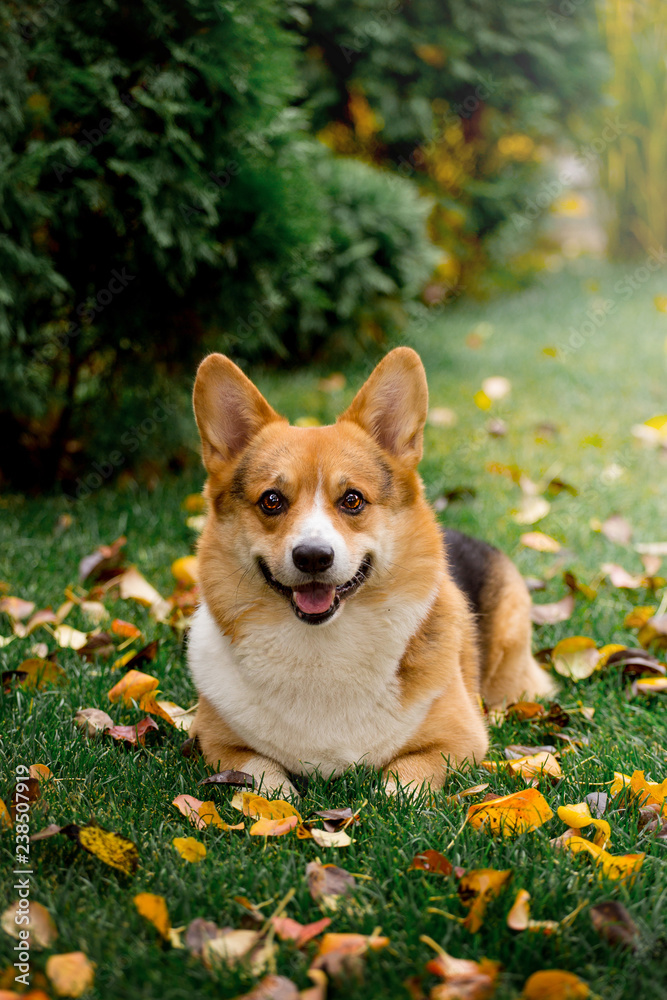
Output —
<point x="393" y="403"/>
<point x="229" y="410"/>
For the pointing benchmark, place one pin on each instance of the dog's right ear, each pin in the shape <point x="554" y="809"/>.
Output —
<point x="229" y="410"/>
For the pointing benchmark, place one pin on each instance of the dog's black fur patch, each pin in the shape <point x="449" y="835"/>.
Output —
<point x="470" y="562"/>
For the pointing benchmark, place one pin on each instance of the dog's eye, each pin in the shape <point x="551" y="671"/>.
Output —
<point x="271" y="502"/>
<point x="353" y="500"/>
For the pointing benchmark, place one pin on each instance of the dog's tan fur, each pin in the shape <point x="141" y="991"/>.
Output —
<point x="439" y="656"/>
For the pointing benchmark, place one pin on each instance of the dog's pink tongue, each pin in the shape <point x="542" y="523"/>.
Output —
<point x="315" y="599"/>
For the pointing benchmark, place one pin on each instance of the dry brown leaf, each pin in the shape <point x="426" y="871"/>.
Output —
<point x="132" y="658"/>
<point x="40" y="924"/>
<point x="327" y="882"/>
<point x="431" y="861"/>
<point x="134" y="735"/>
<point x="105" y="559"/>
<point x="550" y="614"/>
<point x="93" y="721"/>
<point x="154" y="909"/>
<point x="613" y="923"/>
<point x="71" y="974"/>
<point x="238" y="778"/>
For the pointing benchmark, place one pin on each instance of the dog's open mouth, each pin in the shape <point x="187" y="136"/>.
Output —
<point x="317" y="602"/>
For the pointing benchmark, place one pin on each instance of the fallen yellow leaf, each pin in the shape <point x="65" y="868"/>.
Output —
<point x="185" y="570"/>
<point x="190" y="849"/>
<point x="111" y="848"/>
<point x="579" y="816"/>
<point x="154" y="909"/>
<point x="536" y="765"/>
<point x="508" y="815"/>
<point x="260" y="808"/>
<point x="614" y="866"/>
<point x="575" y="657"/>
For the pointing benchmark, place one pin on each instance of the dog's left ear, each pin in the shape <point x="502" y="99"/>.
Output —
<point x="392" y="405"/>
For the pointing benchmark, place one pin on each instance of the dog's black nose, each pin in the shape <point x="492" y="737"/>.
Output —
<point x="312" y="558"/>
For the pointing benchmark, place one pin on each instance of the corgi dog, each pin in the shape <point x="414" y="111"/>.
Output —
<point x="335" y="626"/>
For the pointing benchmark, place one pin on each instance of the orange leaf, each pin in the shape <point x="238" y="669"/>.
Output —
<point x="125" y="629"/>
<point x="554" y="984"/>
<point x="71" y="974"/>
<point x="154" y="908"/>
<point x="132" y="686"/>
<point x="273" y="827"/>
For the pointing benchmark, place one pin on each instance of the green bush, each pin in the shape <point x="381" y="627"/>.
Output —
<point x="159" y="197"/>
<point x="462" y="95"/>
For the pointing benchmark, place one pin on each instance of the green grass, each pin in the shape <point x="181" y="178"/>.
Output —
<point x="593" y="397"/>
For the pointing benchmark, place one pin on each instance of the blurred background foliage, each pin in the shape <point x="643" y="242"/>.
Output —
<point x="287" y="183"/>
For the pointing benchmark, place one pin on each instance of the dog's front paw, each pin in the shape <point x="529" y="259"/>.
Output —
<point x="270" y="778"/>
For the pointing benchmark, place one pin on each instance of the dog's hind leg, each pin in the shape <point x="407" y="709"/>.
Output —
<point x="509" y="670"/>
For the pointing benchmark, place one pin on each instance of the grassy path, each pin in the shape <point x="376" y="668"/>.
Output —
<point x="568" y="417"/>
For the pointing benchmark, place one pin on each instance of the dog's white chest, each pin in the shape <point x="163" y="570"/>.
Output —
<point x="312" y="697"/>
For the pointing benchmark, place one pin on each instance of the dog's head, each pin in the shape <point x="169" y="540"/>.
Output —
<point x="309" y="511"/>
